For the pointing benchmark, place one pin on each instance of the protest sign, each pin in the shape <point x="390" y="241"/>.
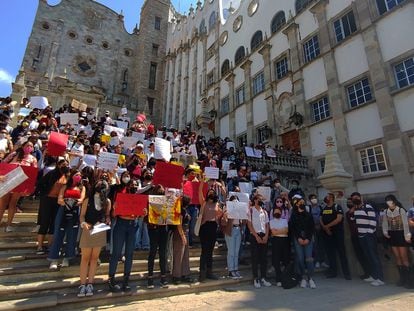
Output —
<point x="108" y="161"/>
<point x="231" y="173"/>
<point x="168" y="175"/>
<point x="265" y="192"/>
<point x="225" y="165"/>
<point x="230" y="144"/>
<point x="69" y="118"/>
<point x="28" y="186"/>
<point x="105" y="138"/>
<point x="39" y="102"/>
<point x="114" y="141"/>
<point x="245" y="187"/>
<point x="14" y="178"/>
<point x="162" y="149"/>
<point x="258" y="153"/>
<point x="109" y="129"/>
<point x="249" y="152"/>
<point x="57" y="144"/>
<point x="124" y="111"/>
<point x="192" y="188"/>
<point x="243" y="197"/>
<point x="270" y="152"/>
<point x="164" y="210"/>
<point x="129" y="141"/>
<point x="211" y="172"/>
<point x="89" y="160"/>
<point x="24" y="112"/>
<point x="237" y="210"/>
<point x="139" y="136"/>
<point x="122" y="124"/>
<point x="128" y="204"/>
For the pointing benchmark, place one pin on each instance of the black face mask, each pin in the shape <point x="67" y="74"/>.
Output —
<point x="64" y="169"/>
<point x="356" y="201"/>
<point x="148" y="177"/>
<point x="133" y="190"/>
<point x="211" y="197"/>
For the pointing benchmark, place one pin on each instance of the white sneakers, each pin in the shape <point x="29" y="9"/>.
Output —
<point x="369" y="279"/>
<point x="377" y="283"/>
<point x="312" y="284"/>
<point x="89" y="290"/>
<point x="305" y="283"/>
<point x="53" y="265"/>
<point x="8" y="229"/>
<point x="65" y="262"/>
<point x="279" y="284"/>
<point x="256" y="283"/>
<point x="265" y="283"/>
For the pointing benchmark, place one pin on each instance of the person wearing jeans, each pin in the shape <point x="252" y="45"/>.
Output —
<point x="142" y="239"/>
<point x="303" y="228"/>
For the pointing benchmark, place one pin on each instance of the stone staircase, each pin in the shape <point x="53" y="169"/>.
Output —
<point x="27" y="283"/>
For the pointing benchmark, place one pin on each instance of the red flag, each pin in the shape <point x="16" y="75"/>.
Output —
<point x="128" y="204"/>
<point x="57" y="144"/>
<point x="168" y="175"/>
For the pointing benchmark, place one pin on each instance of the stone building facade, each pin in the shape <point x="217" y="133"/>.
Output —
<point x="79" y="49"/>
<point x="294" y="72"/>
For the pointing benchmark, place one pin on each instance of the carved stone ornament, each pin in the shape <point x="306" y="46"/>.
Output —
<point x="92" y="19"/>
<point x="84" y="65"/>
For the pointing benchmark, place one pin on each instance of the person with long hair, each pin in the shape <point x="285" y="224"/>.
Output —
<point x="395" y="228"/>
<point x="95" y="210"/>
<point x="70" y="199"/>
<point x="210" y="212"/>
<point x="23" y="157"/>
<point x="49" y="187"/>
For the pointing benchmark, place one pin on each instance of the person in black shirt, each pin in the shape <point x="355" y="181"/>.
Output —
<point x="332" y="223"/>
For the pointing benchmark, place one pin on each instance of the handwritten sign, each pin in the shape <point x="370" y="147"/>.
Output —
<point x="129" y="141"/>
<point x="128" y="204"/>
<point x="231" y="173"/>
<point x="57" y="144"/>
<point x="108" y="161"/>
<point x="28" y="186"/>
<point x="39" y="102"/>
<point x="225" y="165"/>
<point x="245" y="187"/>
<point x="265" y="192"/>
<point x="122" y="124"/>
<point x="237" y="210"/>
<point x="164" y="210"/>
<point x="108" y="129"/>
<point x="114" y="141"/>
<point x="243" y="197"/>
<point x="90" y="160"/>
<point x="139" y="136"/>
<point x="168" y="175"/>
<point x="212" y="172"/>
<point x="13" y="179"/>
<point x="69" y="118"/>
<point x="162" y="149"/>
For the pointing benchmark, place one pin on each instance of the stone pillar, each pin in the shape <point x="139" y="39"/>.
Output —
<point x="171" y="115"/>
<point x="194" y="74"/>
<point x="166" y="100"/>
<point x="246" y="66"/>
<point x="232" y="106"/>
<point x="183" y="119"/>
<point x="177" y="99"/>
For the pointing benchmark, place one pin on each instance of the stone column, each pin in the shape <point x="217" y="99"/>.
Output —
<point x="232" y="106"/>
<point x="172" y="88"/>
<point x="246" y="66"/>
<point x="183" y="119"/>
<point x="176" y="119"/>
<point x="194" y="74"/>
<point x="166" y="102"/>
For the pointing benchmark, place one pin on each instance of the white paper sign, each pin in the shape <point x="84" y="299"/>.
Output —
<point x="108" y="129"/>
<point x="39" y="102"/>
<point x="225" y="165"/>
<point x="230" y="144"/>
<point x="258" y="153"/>
<point x="193" y="150"/>
<point x="120" y="171"/>
<point x="89" y="160"/>
<point x="124" y="111"/>
<point x="122" y="124"/>
<point x="245" y="187"/>
<point x="100" y="228"/>
<point x="71" y="118"/>
<point x="271" y="153"/>
<point x="129" y="142"/>
<point x="249" y="152"/>
<point x="13" y="179"/>
<point x="24" y="112"/>
<point x="237" y="210"/>
<point x="139" y="136"/>
<point x="212" y="172"/>
<point x="243" y="197"/>
<point x="160" y="134"/>
<point x="265" y="192"/>
<point x="108" y="161"/>
<point x="114" y="141"/>
<point x="162" y="149"/>
<point x="231" y="173"/>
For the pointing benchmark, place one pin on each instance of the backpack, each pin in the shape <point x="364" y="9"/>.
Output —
<point x="289" y="277"/>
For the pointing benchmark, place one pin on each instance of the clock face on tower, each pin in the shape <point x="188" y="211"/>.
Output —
<point x="84" y="65"/>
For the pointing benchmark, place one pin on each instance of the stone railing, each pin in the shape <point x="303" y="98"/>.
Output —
<point x="282" y="163"/>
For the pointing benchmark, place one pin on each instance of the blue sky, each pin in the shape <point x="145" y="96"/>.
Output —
<point x="17" y="21"/>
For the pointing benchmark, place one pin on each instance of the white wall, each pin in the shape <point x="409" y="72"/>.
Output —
<point x="307" y="23"/>
<point x="224" y="127"/>
<point x="381" y="185"/>
<point x="318" y="134"/>
<point x="259" y="110"/>
<point x="241" y="120"/>
<point x="404" y="106"/>
<point x="364" y="124"/>
<point x="334" y="7"/>
<point x="314" y="79"/>
<point x="284" y="86"/>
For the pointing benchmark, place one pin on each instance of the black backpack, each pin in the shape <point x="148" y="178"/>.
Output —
<point x="289" y="277"/>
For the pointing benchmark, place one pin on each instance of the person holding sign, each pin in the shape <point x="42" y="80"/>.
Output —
<point x="23" y="157"/>
<point x="210" y="212"/>
<point x="95" y="210"/>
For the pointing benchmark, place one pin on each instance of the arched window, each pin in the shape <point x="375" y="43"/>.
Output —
<point x="256" y="40"/>
<point x="240" y="54"/>
<point x="202" y="29"/>
<point x="278" y="21"/>
<point x="301" y="5"/>
<point x="225" y="67"/>
<point x="212" y="20"/>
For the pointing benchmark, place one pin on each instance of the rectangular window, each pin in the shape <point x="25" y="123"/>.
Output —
<point x="311" y="49"/>
<point x="321" y="165"/>
<point x="387" y="5"/>
<point x="224" y="107"/>
<point x="242" y="140"/>
<point x="345" y="26"/>
<point x="262" y="134"/>
<point x="155" y="49"/>
<point x="320" y="109"/>
<point x="150" y="105"/>
<point x="210" y="79"/>
<point x="240" y="95"/>
<point x="372" y="159"/>
<point x="152" y="76"/>
<point x="359" y="93"/>
<point x="404" y="72"/>
<point x="281" y="68"/>
<point x="258" y="84"/>
<point x="157" y="23"/>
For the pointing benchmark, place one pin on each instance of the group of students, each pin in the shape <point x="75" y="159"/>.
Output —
<point x="303" y="235"/>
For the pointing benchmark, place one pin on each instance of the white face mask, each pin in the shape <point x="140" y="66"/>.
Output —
<point x="126" y="180"/>
<point x="390" y="203"/>
<point x="314" y="201"/>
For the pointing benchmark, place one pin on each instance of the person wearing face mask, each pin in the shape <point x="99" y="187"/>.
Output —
<point x="258" y="224"/>
<point x="210" y="212"/>
<point x="302" y="228"/>
<point x="48" y="188"/>
<point x="95" y="210"/>
<point x="23" y="157"/>
<point x="395" y="228"/>
<point x="277" y="190"/>
<point x="365" y="220"/>
<point x="279" y="229"/>
<point x="295" y="190"/>
<point x="70" y="199"/>
<point x="318" y="247"/>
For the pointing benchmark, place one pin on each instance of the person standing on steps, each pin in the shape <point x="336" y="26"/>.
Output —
<point x="365" y="219"/>
<point x="258" y="224"/>
<point x="210" y="212"/>
<point x="95" y="210"/>
<point x="395" y="228"/>
<point x="332" y="223"/>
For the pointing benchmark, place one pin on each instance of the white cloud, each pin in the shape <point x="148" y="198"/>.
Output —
<point x="5" y="77"/>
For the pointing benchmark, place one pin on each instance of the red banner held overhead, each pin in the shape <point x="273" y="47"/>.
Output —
<point x="132" y="205"/>
<point x="28" y="186"/>
<point x="168" y="175"/>
<point x="191" y="189"/>
<point x="57" y="144"/>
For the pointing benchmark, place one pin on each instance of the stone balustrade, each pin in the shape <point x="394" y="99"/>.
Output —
<point x="288" y="163"/>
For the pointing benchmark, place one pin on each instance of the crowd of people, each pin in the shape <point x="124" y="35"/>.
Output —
<point x="76" y="196"/>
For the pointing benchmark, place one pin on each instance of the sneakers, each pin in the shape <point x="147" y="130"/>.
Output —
<point x="82" y="291"/>
<point x="265" y="283"/>
<point x="303" y="283"/>
<point x="369" y="279"/>
<point x="317" y="265"/>
<point x="164" y="282"/>
<point x="89" y="290"/>
<point x="238" y="274"/>
<point x="312" y="284"/>
<point x="377" y="283"/>
<point x="113" y="287"/>
<point x="150" y="284"/>
<point x="41" y="251"/>
<point x="233" y="275"/>
<point x="256" y="283"/>
<point x="324" y="265"/>
<point x="65" y="262"/>
<point x="53" y="265"/>
<point x="279" y="284"/>
<point x="8" y="229"/>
